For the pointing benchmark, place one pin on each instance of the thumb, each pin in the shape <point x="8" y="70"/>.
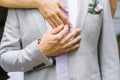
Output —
<point x="56" y="30"/>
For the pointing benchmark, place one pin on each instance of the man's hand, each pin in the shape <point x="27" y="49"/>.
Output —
<point x="57" y="41"/>
<point x="51" y="11"/>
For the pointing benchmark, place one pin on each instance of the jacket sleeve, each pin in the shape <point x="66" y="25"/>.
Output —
<point x="12" y="56"/>
<point x="108" y="48"/>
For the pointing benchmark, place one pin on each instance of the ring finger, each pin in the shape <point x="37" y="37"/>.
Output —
<point x="54" y="21"/>
<point x="59" y="21"/>
<point x="72" y="42"/>
<point x="51" y="23"/>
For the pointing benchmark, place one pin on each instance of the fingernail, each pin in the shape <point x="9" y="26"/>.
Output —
<point x="78" y="45"/>
<point x="70" y="25"/>
<point x="67" y="9"/>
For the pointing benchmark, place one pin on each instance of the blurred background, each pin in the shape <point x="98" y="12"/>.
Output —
<point x="117" y="23"/>
<point x="3" y="14"/>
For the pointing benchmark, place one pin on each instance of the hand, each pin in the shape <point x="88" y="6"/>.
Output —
<point x="51" y="11"/>
<point x="56" y="41"/>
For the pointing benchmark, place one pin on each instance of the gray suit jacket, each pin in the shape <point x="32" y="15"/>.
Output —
<point x="96" y="59"/>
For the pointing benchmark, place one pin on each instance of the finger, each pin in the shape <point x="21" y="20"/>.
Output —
<point x="64" y="18"/>
<point x="63" y="32"/>
<point x="70" y="36"/>
<point x="57" y="30"/>
<point x="72" y="48"/>
<point x="73" y="42"/>
<point x="54" y="21"/>
<point x="51" y="23"/>
<point x="59" y="21"/>
<point x="62" y="6"/>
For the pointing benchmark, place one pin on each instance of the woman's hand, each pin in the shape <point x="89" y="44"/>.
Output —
<point x="51" y="10"/>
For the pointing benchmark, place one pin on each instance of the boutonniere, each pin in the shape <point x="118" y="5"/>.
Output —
<point x="95" y="7"/>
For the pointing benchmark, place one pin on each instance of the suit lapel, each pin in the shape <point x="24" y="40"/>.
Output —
<point x="39" y="21"/>
<point x="82" y="13"/>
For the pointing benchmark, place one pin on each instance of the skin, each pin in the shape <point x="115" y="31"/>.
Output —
<point x="57" y="41"/>
<point x="113" y="4"/>
<point x="55" y="44"/>
<point x="51" y="10"/>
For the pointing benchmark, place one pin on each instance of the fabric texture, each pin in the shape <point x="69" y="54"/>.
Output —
<point x="96" y="58"/>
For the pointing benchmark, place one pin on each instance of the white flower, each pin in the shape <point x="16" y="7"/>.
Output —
<point x="98" y="8"/>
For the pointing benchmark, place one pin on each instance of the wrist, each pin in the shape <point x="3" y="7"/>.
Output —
<point x="37" y="3"/>
<point x="41" y="48"/>
<point x="51" y="59"/>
